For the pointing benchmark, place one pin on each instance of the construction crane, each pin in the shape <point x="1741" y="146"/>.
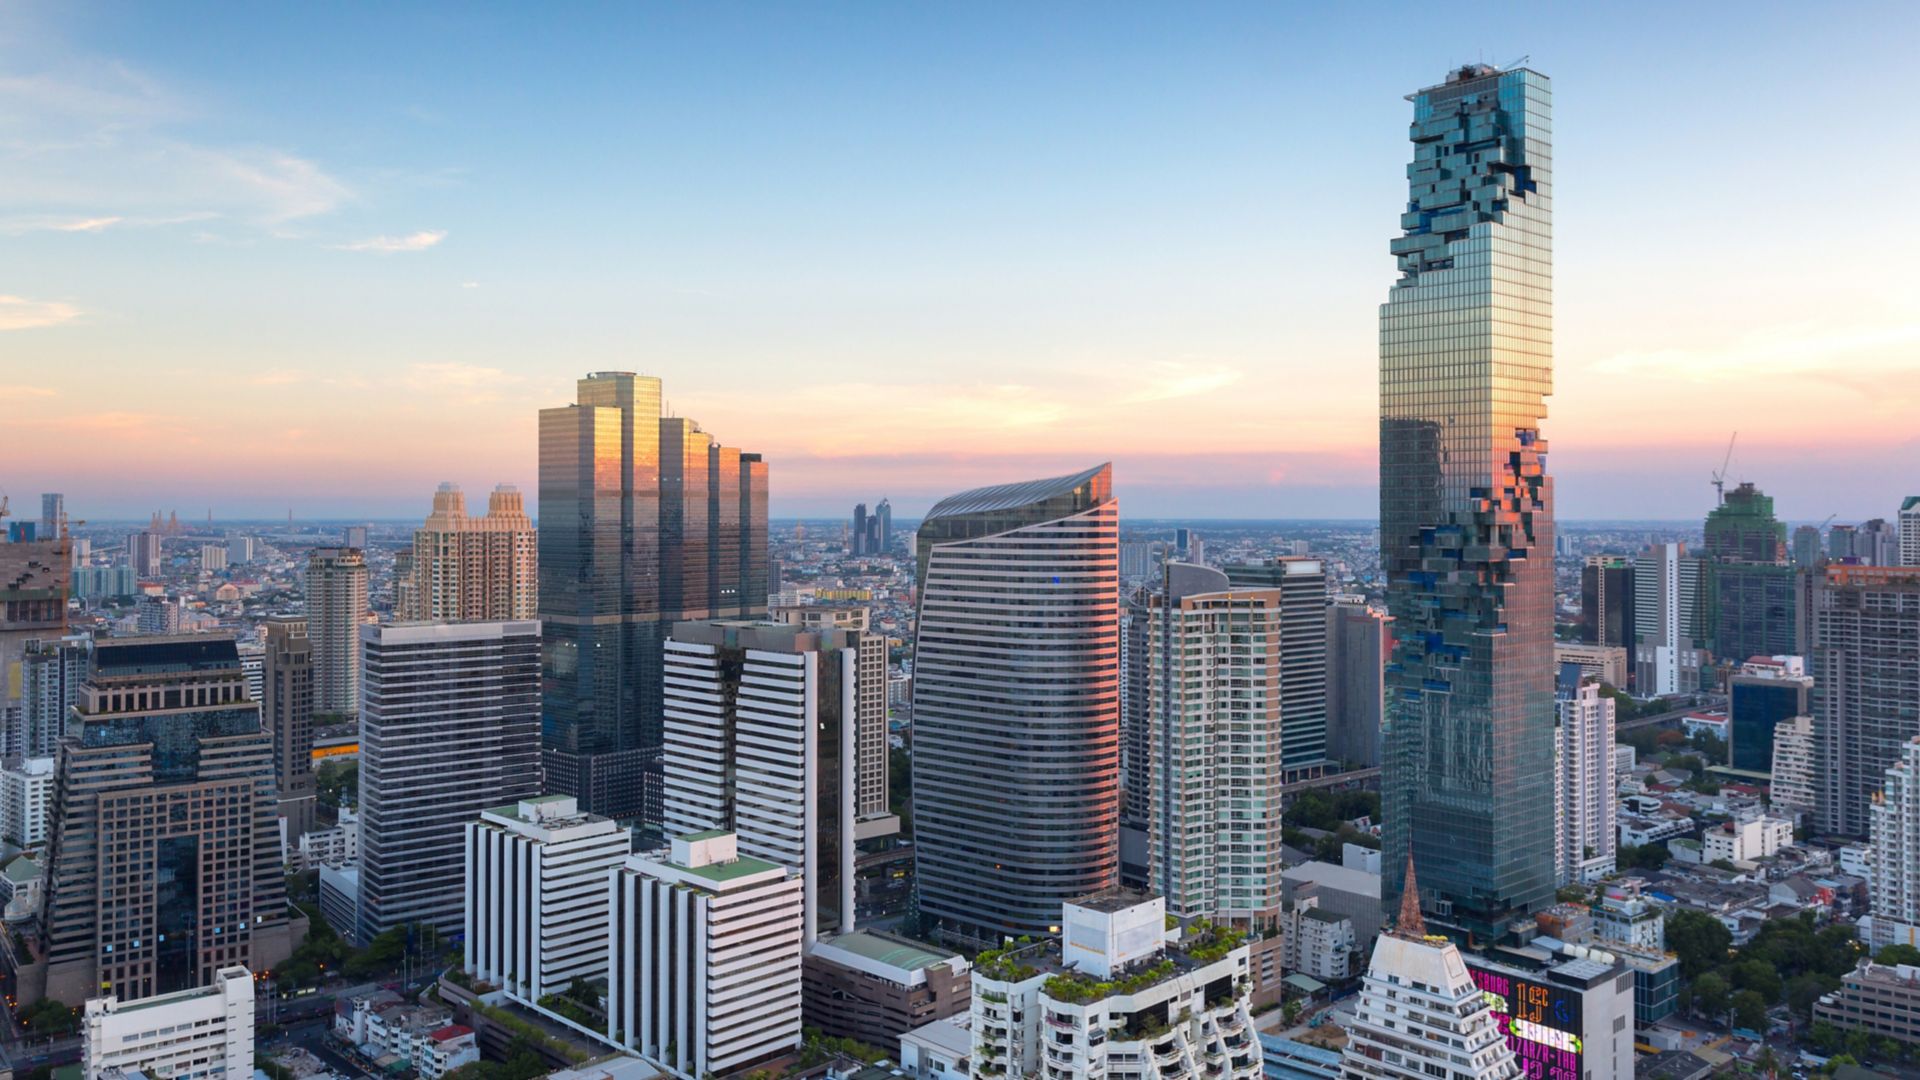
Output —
<point x="1720" y="478"/>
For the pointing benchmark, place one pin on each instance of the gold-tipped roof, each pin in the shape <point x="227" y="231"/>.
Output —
<point x="1411" y="923"/>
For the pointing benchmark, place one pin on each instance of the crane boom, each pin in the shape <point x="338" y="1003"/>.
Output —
<point x="1720" y="478"/>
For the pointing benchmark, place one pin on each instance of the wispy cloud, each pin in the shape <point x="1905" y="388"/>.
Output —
<point x="390" y="245"/>
<point x="19" y="391"/>
<point x="1782" y="350"/>
<point x="1172" y="379"/>
<point x="20" y="313"/>
<point x="469" y="284"/>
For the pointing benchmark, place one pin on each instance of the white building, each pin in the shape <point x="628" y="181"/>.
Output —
<point x="26" y="793"/>
<point x="939" y="1050"/>
<point x="1627" y="917"/>
<point x="1893" y="889"/>
<point x="206" y="1032"/>
<point x="1793" y="793"/>
<point x="338" y="846"/>
<point x="1624" y="759"/>
<point x="1421" y="1016"/>
<point x="240" y="549"/>
<point x="1665" y="581"/>
<point x="1588" y="807"/>
<point x="1910" y="531"/>
<point x="1124" y="997"/>
<point x="213" y="558"/>
<point x="1573" y="1019"/>
<point x="1319" y="943"/>
<point x="704" y="957"/>
<point x="1746" y="840"/>
<point x="536" y="905"/>
<point x="1207" y="753"/>
<point x="423" y="1036"/>
<point x="761" y="718"/>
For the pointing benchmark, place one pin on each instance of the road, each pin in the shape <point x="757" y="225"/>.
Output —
<point x="312" y="1035"/>
<point x="1670" y="717"/>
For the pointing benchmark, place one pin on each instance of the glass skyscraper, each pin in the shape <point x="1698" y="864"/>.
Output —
<point x="644" y="520"/>
<point x="1466" y="508"/>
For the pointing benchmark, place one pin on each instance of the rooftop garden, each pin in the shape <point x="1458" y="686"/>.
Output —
<point x="1204" y="943"/>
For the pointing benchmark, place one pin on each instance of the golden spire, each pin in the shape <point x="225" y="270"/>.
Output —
<point x="1410" y="924"/>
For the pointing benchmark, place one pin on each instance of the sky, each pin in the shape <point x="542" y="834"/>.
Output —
<point x="323" y="257"/>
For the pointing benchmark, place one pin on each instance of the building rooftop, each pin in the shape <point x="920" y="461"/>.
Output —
<point x="896" y="952"/>
<point x="744" y="866"/>
<point x="1011" y="496"/>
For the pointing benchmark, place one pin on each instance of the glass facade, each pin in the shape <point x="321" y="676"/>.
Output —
<point x="1466" y="507"/>
<point x="644" y="520"/>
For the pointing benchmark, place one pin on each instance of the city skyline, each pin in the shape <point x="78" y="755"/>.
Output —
<point x="337" y="279"/>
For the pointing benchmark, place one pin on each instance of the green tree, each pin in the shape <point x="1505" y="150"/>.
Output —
<point x="1758" y="976"/>
<point x="1805" y="989"/>
<point x="1290" y="1010"/>
<point x="50" y="1017"/>
<point x="1898" y="954"/>
<point x="1711" y="995"/>
<point x="1699" y="940"/>
<point x="1750" y="1010"/>
<point x="1824" y="1037"/>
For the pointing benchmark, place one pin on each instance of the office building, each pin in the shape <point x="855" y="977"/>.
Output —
<point x="862" y="539"/>
<point x="1750" y="599"/>
<point x="26" y="802"/>
<point x="874" y="988"/>
<point x="536" y="895"/>
<point x="1840" y="544"/>
<point x="467" y="569"/>
<point x="1806" y="547"/>
<point x="51" y="672"/>
<point x="213" y="558"/>
<point x="1607" y="663"/>
<point x="648" y="521"/>
<point x="157" y="615"/>
<point x="1359" y="641"/>
<point x="777" y="734"/>
<point x="143" y="554"/>
<point x="35" y="578"/>
<point x="1422" y="1013"/>
<point x="1667" y="621"/>
<point x="286" y="705"/>
<point x="1766" y="692"/>
<point x="203" y="1033"/>
<point x="1302" y="584"/>
<point x="168" y="742"/>
<point x="336" y="609"/>
<point x="883" y="528"/>
<point x="241" y="549"/>
<point x="1882" y="1000"/>
<point x="1572" y="1015"/>
<point x="704" y="958"/>
<point x="1466" y="506"/>
<point x="1877" y="543"/>
<point x="355" y="536"/>
<point x="1865" y="636"/>
<point x="1212" y="745"/>
<point x="1587" y="799"/>
<point x="450" y="728"/>
<point x="1794" y="790"/>
<point x="1910" y="531"/>
<point x="1016" y="693"/>
<point x="53" y="516"/>
<point x="1606" y="605"/>
<point x="1119" y="995"/>
<point x="1893" y="890"/>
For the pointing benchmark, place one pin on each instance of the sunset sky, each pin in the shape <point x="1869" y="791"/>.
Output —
<point x="327" y="256"/>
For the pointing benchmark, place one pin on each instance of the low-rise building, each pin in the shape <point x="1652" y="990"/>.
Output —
<point x="1341" y="890"/>
<point x="1122" y="995"/>
<point x="1319" y="943"/>
<point x="26" y="794"/>
<point x="941" y="1050"/>
<point x="1879" y="999"/>
<point x="1747" y="840"/>
<point x="22" y="882"/>
<point x="422" y="1037"/>
<point x="1624" y="915"/>
<point x="201" y="1034"/>
<point x="874" y="988"/>
<point x="336" y="847"/>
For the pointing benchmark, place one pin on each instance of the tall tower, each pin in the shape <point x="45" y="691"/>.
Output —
<point x="1466" y="508"/>
<point x="1585" y="778"/>
<point x="336" y="606"/>
<point x="1865" y="637"/>
<point x="286" y="701"/>
<point x="1910" y="531"/>
<point x="468" y="569"/>
<point x="645" y="520"/>
<point x="1016" y="703"/>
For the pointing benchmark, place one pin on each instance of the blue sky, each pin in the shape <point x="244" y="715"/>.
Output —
<point x="331" y="255"/>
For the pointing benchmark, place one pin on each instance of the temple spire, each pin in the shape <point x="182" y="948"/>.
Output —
<point x="1410" y="923"/>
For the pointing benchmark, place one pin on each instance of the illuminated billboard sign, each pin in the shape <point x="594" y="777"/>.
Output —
<point x="1541" y="1021"/>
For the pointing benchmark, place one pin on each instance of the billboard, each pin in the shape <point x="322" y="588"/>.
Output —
<point x="1541" y="1021"/>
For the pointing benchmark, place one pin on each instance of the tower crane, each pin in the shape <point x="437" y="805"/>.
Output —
<point x="1720" y="478"/>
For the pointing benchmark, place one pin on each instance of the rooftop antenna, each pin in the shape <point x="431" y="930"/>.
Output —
<point x="1720" y="478"/>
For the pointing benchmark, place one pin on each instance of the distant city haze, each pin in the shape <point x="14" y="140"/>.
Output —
<point x="910" y="251"/>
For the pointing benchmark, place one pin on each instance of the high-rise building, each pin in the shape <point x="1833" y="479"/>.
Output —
<point x="1421" y="1014"/>
<point x="169" y="745"/>
<point x="778" y="734"/>
<point x="451" y="728"/>
<point x="1840" y="546"/>
<point x="1894" y="819"/>
<point x="53" y="516"/>
<point x="1587" y="800"/>
<point x="1876" y="543"/>
<point x="1794" y="791"/>
<point x="1751" y="599"/>
<point x="1466" y="507"/>
<point x="286" y="701"/>
<point x="1606" y="604"/>
<point x="467" y="569"/>
<point x="26" y="801"/>
<point x="1910" y="531"/>
<point x="883" y="514"/>
<point x="1806" y="547"/>
<point x="1302" y="584"/>
<point x="647" y="521"/>
<point x="240" y="549"/>
<point x="203" y="1033"/>
<point x="1764" y="693"/>
<point x="857" y="544"/>
<point x="51" y="673"/>
<point x="1212" y="744"/>
<point x="1016" y="703"/>
<point x="104" y="582"/>
<point x="336" y="609"/>
<point x="1865" y="630"/>
<point x="704" y="957"/>
<point x="213" y="558"/>
<point x="157" y="615"/>
<point x="143" y="554"/>
<point x="1667" y="630"/>
<point x="536" y="899"/>
<point x="356" y="537"/>
<point x="35" y="579"/>
<point x="1359" y="641"/>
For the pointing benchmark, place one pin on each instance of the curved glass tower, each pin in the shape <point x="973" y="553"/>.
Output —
<point x="1466" y="509"/>
<point x="1016" y="704"/>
